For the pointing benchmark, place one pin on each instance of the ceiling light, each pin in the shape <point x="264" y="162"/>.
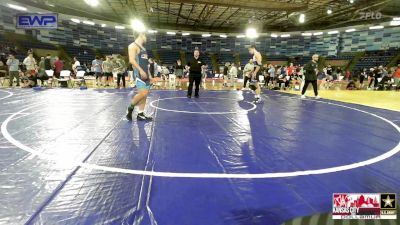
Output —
<point x="206" y="35"/>
<point x="318" y="33"/>
<point x="185" y="34"/>
<point x="171" y="33"/>
<point x="103" y="25"/>
<point x="302" y="18"/>
<point x="119" y="27"/>
<point x="75" y="20"/>
<point x="376" y="27"/>
<point x="92" y="3"/>
<point x="351" y="1"/>
<point x="17" y="7"/>
<point x="329" y="11"/>
<point x="88" y="22"/>
<point x="241" y="36"/>
<point x="251" y="33"/>
<point x="333" y="32"/>
<point x="274" y="35"/>
<point x="152" y="31"/>
<point x="350" y="30"/>
<point x="138" y="25"/>
<point x="223" y="36"/>
<point x="285" y="35"/>
<point x="395" y="23"/>
<point x="306" y="34"/>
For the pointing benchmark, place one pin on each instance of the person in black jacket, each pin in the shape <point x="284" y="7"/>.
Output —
<point x="311" y="71"/>
<point x="195" y="66"/>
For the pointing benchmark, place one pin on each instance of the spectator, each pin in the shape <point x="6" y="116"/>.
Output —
<point x="396" y="76"/>
<point x="152" y="68"/>
<point x="96" y="68"/>
<point x="107" y="68"/>
<point x="247" y="72"/>
<point x="48" y="65"/>
<point x="363" y="75"/>
<point x="121" y="68"/>
<point x="290" y="69"/>
<point x="178" y="71"/>
<point x="226" y="70"/>
<point x="13" y="69"/>
<point x="42" y="76"/>
<point x="58" y="66"/>
<point x="31" y="67"/>
<point x="75" y="65"/>
<point x="233" y="72"/>
<point x="271" y="77"/>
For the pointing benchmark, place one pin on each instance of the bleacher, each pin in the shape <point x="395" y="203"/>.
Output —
<point x="168" y="57"/>
<point x="376" y="58"/>
<point x="83" y="54"/>
<point x="5" y="43"/>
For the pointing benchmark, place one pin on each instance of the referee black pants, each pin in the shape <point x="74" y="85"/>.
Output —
<point x="314" y="84"/>
<point x="196" y="80"/>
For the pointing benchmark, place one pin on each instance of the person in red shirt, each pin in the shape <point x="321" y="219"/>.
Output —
<point x="58" y="66"/>
<point x="396" y="76"/>
<point x="290" y="69"/>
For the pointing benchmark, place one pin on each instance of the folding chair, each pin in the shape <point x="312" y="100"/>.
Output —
<point x="66" y="76"/>
<point x="80" y="77"/>
<point x="52" y="80"/>
<point x="172" y="79"/>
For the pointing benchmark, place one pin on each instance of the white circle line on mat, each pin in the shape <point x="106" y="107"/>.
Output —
<point x="9" y="94"/>
<point x="152" y="104"/>
<point x="371" y="161"/>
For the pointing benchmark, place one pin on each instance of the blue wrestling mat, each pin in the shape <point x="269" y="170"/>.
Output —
<point x="71" y="157"/>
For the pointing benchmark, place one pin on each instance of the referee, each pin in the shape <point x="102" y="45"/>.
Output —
<point x="195" y="66"/>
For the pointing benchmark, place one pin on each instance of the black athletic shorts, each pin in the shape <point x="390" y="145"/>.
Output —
<point x="108" y="74"/>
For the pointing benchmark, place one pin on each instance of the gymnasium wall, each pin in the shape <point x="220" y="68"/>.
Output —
<point x="70" y="33"/>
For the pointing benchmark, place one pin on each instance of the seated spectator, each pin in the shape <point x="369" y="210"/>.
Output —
<point x="351" y="86"/>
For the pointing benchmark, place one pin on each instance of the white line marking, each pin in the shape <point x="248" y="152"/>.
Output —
<point x="9" y="94"/>
<point x="371" y="161"/>
<point x="203" y="113"/>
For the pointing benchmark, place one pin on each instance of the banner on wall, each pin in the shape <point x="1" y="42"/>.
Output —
<point x="37" y="21"/>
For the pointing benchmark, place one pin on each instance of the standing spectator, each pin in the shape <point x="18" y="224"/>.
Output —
<point x="13" y="69"/>
<point x="290" y="69"/>
<point x="363" y="75"/>
<point x="42" y="71"/>
<point x="75" y="65"/>
<point x="96" y="67"/>
<point x="152" y="68"/>
<point x="48" y="65"/>
<point x="271" y="77"/>
<point x="31" y="67"/>
<point x="107" y="67"/>
<point x="178" y="71"/>
<point x="233" y="72"/>
<point x="226" y="71"/>
<point x="248" y="69"/>
<point x="58" y="66"/>
<point x="121" y="68"/>
<point x="396" y="76"/>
